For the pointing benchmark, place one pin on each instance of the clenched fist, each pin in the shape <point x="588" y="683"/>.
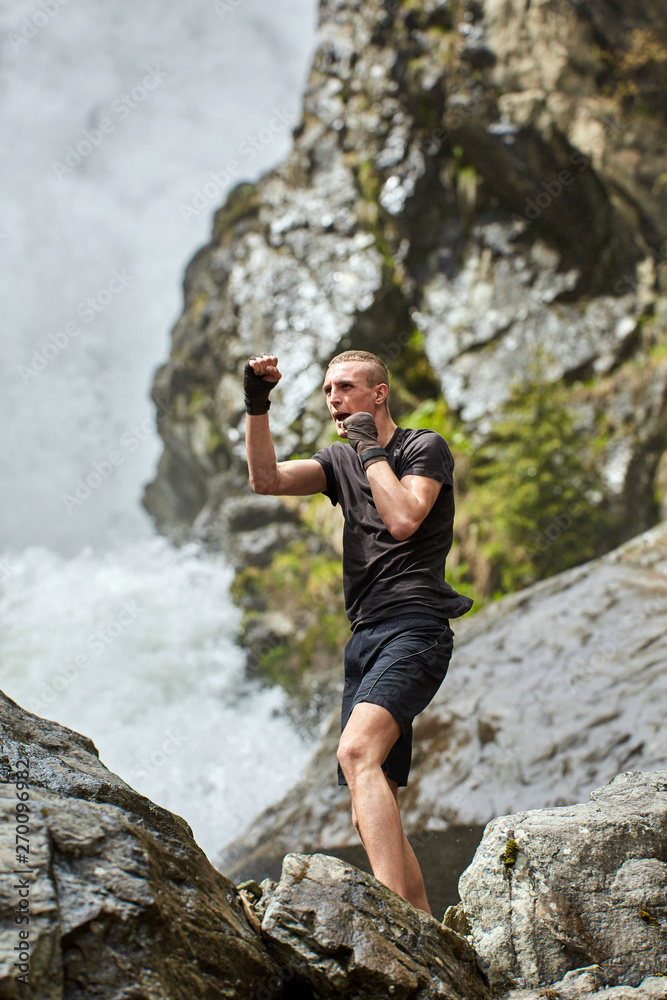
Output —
<point x="362" y="433"/>
<point x="259" y="377"/>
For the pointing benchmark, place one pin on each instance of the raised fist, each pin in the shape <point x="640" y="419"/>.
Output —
<point x="259" y="377"/>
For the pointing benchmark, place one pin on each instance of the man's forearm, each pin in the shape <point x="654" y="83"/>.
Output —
<point x="401" y="510"/>
<point x="262" y="465"/>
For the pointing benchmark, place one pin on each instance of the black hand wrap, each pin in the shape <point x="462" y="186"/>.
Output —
<point x="362" y="434"/>
<point x="256" y="390"/>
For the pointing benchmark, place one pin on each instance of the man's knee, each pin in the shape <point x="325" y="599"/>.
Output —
<point x="352" y="755"/>
<point x="348" y="755"/>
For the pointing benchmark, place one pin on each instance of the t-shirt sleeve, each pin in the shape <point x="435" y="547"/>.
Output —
<point x="428" y="455"/>
<point x="324" y="457"/>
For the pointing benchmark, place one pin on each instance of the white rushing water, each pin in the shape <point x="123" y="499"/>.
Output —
<point x="119" y="121"/>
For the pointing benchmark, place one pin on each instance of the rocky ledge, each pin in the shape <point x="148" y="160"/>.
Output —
<point x="114" y="899"/>
<point x="552" y="890"/>
<point x="106" y="895"/>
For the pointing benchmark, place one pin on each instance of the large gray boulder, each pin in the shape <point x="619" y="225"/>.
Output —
<point x="591" y="984"/>
<point x="120" y="899"/>
<point x="104" y="894"/>
<point x="349" y="936"/>
<point x="554" y="890"/>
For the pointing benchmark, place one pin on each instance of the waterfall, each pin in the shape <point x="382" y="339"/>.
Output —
<point x="120" y="122"/>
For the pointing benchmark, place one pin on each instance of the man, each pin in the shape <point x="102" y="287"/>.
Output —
<point x="395" y="489"/>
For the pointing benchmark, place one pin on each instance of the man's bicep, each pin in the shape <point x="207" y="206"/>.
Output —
<point x="300" y="478"/>
<point x="425" y="489"/>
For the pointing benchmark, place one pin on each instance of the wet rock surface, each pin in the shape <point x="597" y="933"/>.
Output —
<point x="592" y="984"/>
<point x="554" y="890"/>
<point x="558" y="904"/>
<point x="443" y="856"/>
<point x="121" y="901"/>
<point x="347" y="935"/>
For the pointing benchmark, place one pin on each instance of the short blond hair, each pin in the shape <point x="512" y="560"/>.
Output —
<point x="376" y="371"/>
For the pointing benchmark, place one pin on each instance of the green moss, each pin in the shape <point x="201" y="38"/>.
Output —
<point x="368" y="181"/>
<point x="215" y="441"/>
<point x="510" y="853"/>
<point x="307" y="587"/>
<point x="198" y="305"/>
<point x="528" y="497"/>
<point x="242" y="202"/>
<point x="413" y="381"/>
<point x="647" y="917"/>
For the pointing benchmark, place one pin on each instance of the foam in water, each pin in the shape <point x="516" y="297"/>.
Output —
<point x="135" y="648"/>
<point x="99" y="245"/>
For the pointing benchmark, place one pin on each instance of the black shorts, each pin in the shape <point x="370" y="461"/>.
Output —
<point x="398" y="663"/>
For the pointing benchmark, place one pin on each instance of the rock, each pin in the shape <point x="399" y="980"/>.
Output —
<point x="554" y="890"/>
<point x="486" y="176"/>
<point x="591" y="984"/>
<point x="550" y="693"/>
<point x="348" y="935"/>
<point x="121" y="900"/>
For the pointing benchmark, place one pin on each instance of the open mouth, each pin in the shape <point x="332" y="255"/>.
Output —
<point x="340" y="417"/>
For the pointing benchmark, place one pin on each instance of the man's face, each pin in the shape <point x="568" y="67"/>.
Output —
<point x="347" y="391"/>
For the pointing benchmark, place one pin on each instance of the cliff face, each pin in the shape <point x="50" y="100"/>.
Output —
<point x="477" y="192"/>
<point x="478" y="186"/>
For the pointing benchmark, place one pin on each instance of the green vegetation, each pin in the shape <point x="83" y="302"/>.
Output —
<point x="637" y="71"/>
<point x="528" y="497"/>
<point x="510" y="853"/>
<point x="534" y="491"/>
<point x="242" y="202"/>
<point x="306" y="587"/>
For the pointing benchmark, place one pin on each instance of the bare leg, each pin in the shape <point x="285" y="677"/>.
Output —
<point x="416" y="893"/>
<point x="366" y="740"/>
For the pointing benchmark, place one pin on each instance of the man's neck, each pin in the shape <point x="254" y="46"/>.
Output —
<point x="386" y="428"/>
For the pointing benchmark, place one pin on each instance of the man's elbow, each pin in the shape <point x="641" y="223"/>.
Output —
<point x="402" y="528"/>
<point x="261" y="485"/>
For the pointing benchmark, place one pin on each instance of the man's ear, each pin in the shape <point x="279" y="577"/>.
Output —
<point x="381" y="393"/>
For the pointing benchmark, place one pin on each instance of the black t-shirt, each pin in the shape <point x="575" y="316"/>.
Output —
<point x="384" y="577"/>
